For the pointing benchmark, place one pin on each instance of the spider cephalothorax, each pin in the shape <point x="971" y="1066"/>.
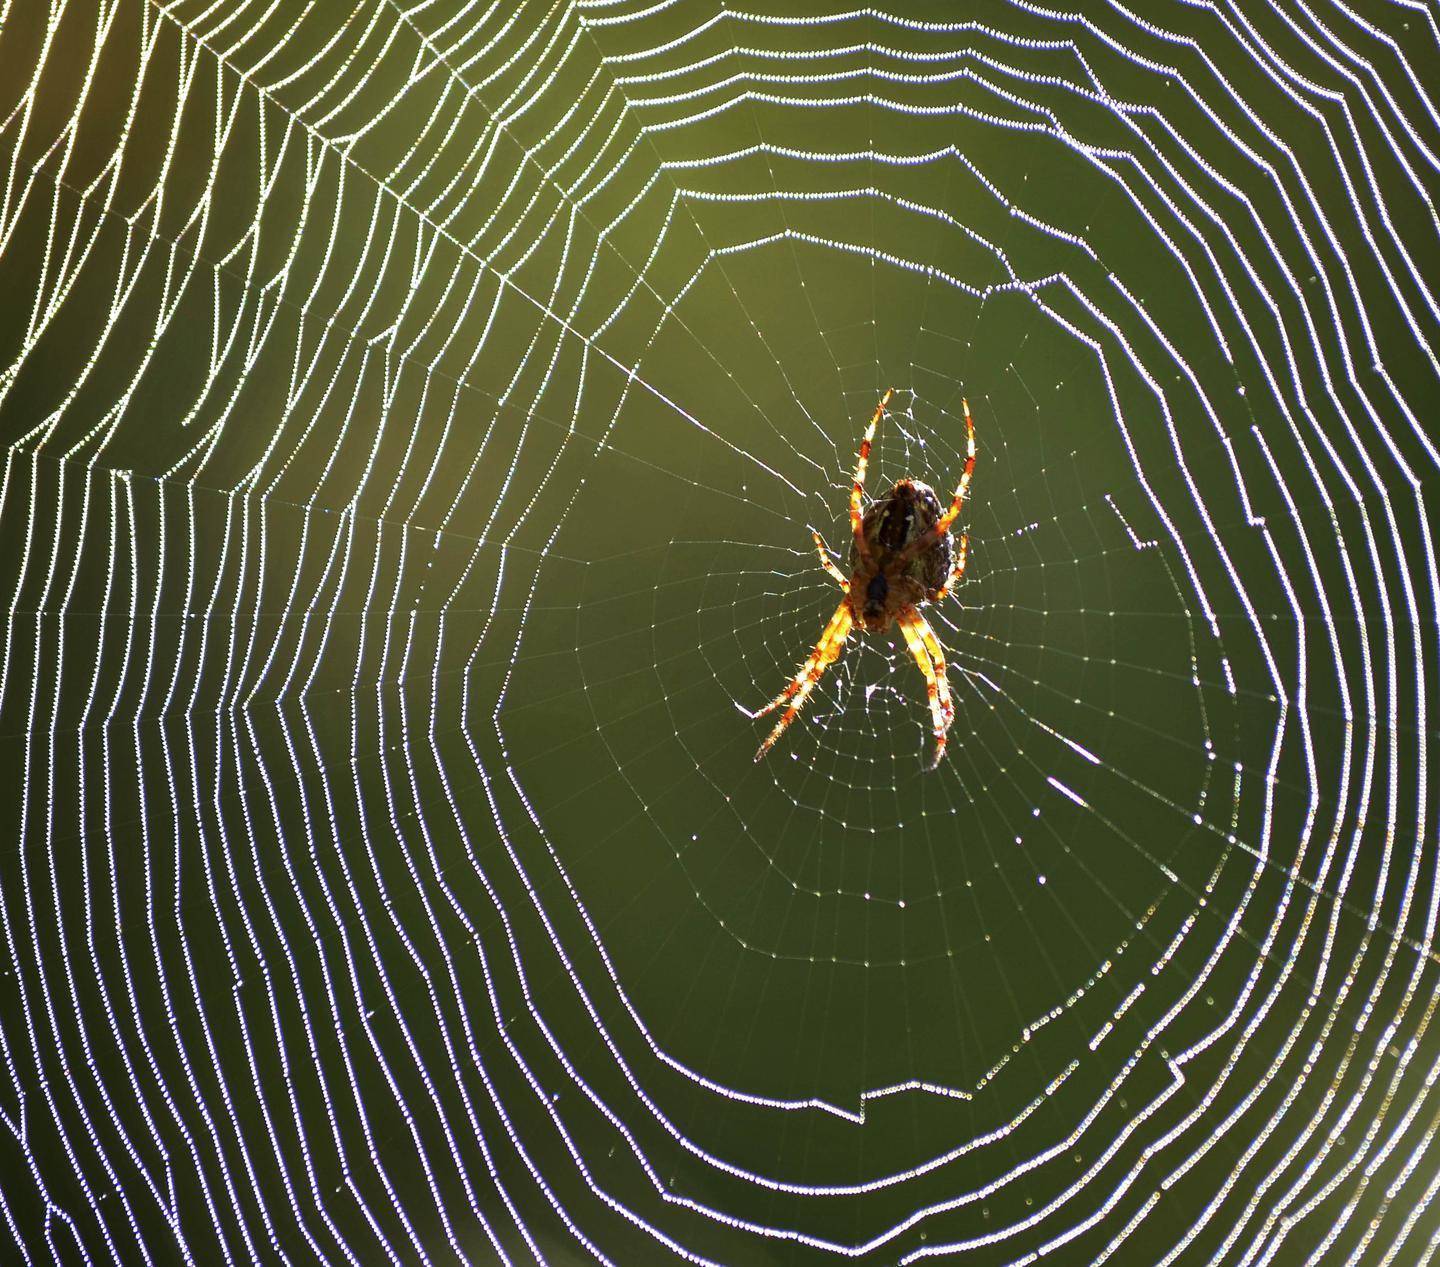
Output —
<point x="902" y="556"/>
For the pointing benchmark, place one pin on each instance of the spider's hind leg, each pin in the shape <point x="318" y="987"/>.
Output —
<point x="826" y="652"/>
<point x="929" y="655"/>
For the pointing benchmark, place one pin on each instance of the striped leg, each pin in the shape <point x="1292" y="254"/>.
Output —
<point x="957" y="571"/>
<point x="949" y="517"/>
<point x="858" y="487"/>
<point x="828" y="563"/>
<point x="826" y="652"/>
<point x="942" y="525"/>
<point x="926" y="649"/>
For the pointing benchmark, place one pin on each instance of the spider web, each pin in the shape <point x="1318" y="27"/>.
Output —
<point x="416" y="419"/>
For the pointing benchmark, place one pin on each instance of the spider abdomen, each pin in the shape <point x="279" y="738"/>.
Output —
<point x="909" y="509"/>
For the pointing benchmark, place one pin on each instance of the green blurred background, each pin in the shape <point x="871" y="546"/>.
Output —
<point x="390" y="861"/>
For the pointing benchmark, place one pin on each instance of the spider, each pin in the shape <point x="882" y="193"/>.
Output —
<point x="900" y="559"/>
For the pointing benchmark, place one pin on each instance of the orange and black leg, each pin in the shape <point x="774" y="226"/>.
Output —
<point x="826" y="652"/>
<point x="828" y="563"/>
<point x="957" y="571"/>
<point x="926" y="649"/>
<point x="949" y="517"/>
<point x="857" y="488"/>
<point x="942" y="525"/>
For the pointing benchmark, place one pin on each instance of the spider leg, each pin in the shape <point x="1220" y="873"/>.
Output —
<point x="942" y="525"/>
<point x="838" y="628"/>
<point x="828" y="563"/>
<point x="957" y="571"/>
<point x="826" y="652"/>
<point x="926" y="649"/>
<point x="858" y="487"/>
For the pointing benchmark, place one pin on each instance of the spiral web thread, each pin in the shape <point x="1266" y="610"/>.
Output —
<point x="416" y="417"/>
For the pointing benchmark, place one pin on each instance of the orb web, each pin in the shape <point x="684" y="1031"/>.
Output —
<point x="416" y="421"/>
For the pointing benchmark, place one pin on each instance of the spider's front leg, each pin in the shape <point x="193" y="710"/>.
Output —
<point x="826" y="652"/>
<point x="942" y="525"/>
<point x="857" y="488"/>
